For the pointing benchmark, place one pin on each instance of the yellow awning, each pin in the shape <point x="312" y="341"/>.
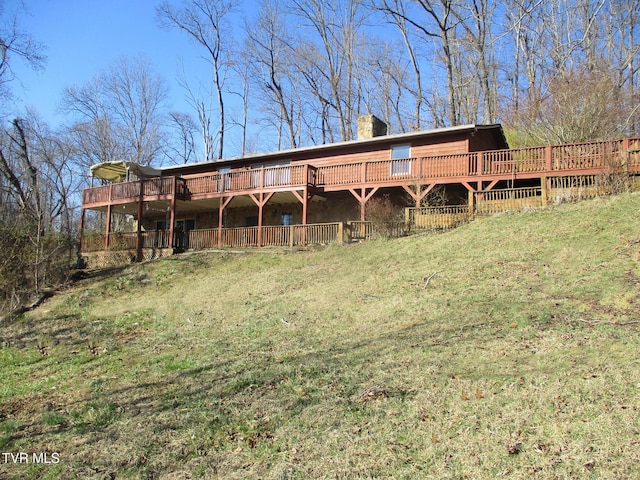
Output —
<point x="117" y="171"/>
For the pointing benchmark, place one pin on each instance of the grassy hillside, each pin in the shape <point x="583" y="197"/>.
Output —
<point x="506" y="348"/>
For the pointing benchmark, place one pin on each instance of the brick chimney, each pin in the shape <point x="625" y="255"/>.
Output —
<point x="370" y="126"/>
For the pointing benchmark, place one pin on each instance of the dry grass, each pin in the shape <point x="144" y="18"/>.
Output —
<point x="506" y="348"/>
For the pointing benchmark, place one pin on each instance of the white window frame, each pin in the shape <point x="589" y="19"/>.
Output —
<point x="400" y="165"/>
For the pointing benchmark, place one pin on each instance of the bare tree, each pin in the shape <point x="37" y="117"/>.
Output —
<point x="475" y="19"/>
<point x="395" y="10"/>
<point x="119" y="114"/>
<point x="15" y="44"/>
<point x="268" y="52"/>
<point x="328" y="57"/>
<point x="183" y="147"/>
<point x="205" y="21"/>
<point x="36" y="188"/>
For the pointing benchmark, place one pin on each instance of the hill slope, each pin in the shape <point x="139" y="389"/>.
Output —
<point x="505" y="348"/>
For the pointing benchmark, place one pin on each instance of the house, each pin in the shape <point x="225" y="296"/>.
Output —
<point x="309" y="194"/>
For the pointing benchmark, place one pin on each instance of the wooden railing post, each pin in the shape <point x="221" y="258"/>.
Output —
<point x="340" y="234"/>
<point x="625" y="154"/>
<point x="172" y="214"/>
<point x="480" y="164"/>
<point x="107" y="227"/>
<point x="81" y="230"/>
<point x="545" y="194"/>
<point x="549" y="158"/>
<point x="139" y="228"/>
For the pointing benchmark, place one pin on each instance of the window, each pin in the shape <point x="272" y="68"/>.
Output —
<point x="273" y="178"/>
<point x="186" y="225"/>
<point x="400" y="151"/>
<point x="286" y="219"/>
<point x="400" y="159"/>
<point x="224" y="180"/>
<point x="251" y="221"/>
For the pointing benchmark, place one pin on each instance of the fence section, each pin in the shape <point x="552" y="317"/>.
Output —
<point x="495" y="201"/>
<point x="444" y="217"/>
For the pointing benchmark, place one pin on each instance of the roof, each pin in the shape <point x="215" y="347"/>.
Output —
<point x="329" y="146"/>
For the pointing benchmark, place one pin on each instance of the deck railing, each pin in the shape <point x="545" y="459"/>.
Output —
<point x="130" y="191"/>
<point x="237" y="237"/>
<point x="438" y="217"/>
<point x="495" y="201"/>
<point x="255" y="179"/>
<point x="549" y="160"/>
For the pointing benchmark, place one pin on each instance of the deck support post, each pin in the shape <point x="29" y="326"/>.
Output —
<point x="471" y="197"/>
<point x="107" y="229"/>
<point x="544" y="188"/>
<point x="224" y="201"/>
<point x="260" y="201"/>
<point x="172" y="213"/>
<point x="363" y="197"/>
<point x="139" y="227"/>
<point x="81" y="230"/>
<point x="418" y="194"/>
<point x="303" y="197"/>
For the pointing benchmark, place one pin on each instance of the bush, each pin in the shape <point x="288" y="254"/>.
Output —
<point x="386" y="217"/>
<point x="30" y="263"/>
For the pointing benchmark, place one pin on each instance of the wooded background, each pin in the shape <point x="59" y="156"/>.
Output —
<point x="551" y="71"/>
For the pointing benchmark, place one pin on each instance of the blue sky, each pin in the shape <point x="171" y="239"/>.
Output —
<point x="83" y="37"/>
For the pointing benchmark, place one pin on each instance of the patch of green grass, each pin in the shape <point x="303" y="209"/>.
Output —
<point x="95" y="415"/>
<point x="516" y="359"/>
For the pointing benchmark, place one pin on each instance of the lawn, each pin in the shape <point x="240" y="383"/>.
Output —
<point x="507" y="348"/>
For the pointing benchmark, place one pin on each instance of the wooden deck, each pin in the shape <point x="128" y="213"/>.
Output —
<point x="557" y="167"/>
<point x="471" y="169"/>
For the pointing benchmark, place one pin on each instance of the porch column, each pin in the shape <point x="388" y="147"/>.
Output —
<point x="172" y="213"/>
<point x="260" y="205"/>
<point x="419" y="193"/>
<point x="363" y="197"/>
<point x="260" y="201"/>
<point x="472" y="192"/>
<point x="545" y="194"/>
<point x="139" y="228"/>
<point x="223" y="203"/>
<point x="107" y="229"/>
<point x="220" y="210"/>
<point x="303" y="197"/>
<point x="81" y="230"/>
